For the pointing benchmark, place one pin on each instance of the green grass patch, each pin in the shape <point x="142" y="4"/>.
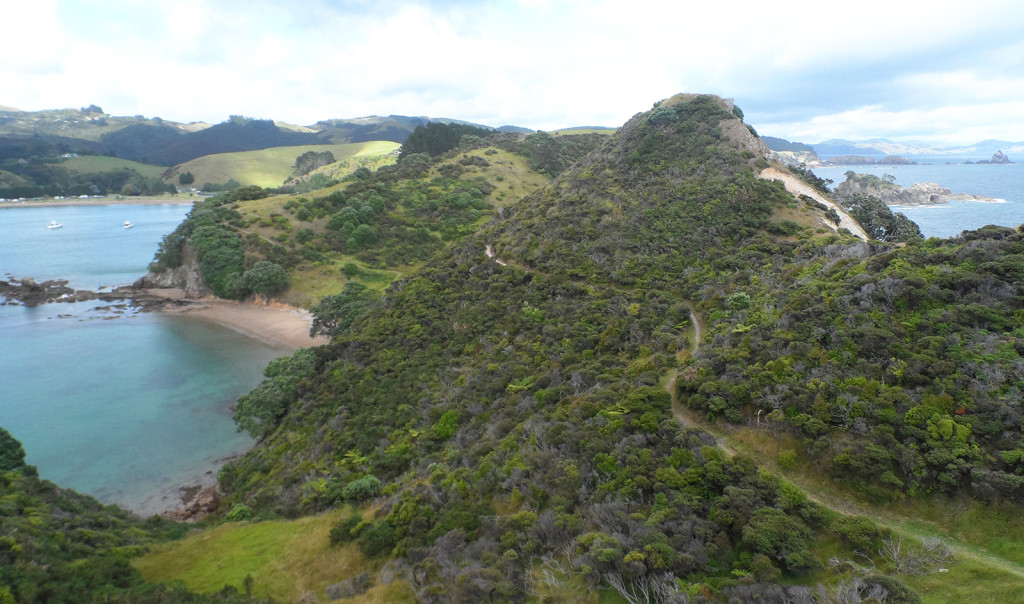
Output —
<point x="968" y="582"/>
<point x="285" y="559"/>
<point x="93" y="164"/>
<point x="271" y="167"/>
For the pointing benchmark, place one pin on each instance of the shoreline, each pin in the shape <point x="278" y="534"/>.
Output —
<point x="276" y="325"/>
<point x="105" y="201"/>
<point x="282" y="327"/>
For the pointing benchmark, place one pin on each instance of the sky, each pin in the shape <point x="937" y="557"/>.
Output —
<point x="943" y="72"/>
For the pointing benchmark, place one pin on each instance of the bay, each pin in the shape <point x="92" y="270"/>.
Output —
<point x="1002" y="182"/>
<point x="121" y="404"/>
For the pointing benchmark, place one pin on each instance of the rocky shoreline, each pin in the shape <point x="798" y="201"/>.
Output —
<point x="29" y="292"/>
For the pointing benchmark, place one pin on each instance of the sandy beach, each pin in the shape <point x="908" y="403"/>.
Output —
<point x="276" y="325"/>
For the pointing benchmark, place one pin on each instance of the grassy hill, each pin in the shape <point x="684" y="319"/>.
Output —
<point x="92" y="164"/>
<point x="403" y="213"/>
<point x="271" y="167"/>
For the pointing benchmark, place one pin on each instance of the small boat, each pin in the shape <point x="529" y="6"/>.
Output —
<point x="128" y="224"/>
<point x="54" y="225"/>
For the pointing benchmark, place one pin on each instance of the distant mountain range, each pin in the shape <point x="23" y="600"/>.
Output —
<point x="881" y="146"/>
<point x="165" y="143"/>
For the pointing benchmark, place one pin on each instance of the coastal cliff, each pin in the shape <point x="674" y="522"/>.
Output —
<point x="186" y="277"/>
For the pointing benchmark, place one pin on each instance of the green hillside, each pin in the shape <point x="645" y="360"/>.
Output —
<point x="272" y="167"/>
<point x="513" y="407"/>
<point x="613" y="367"/>
<point x="92" y="164"/>
<point x="373" y="228"/>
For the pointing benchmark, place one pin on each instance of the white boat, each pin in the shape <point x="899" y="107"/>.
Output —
<point x="128" y="224"/>
<point x="54" y="225"/>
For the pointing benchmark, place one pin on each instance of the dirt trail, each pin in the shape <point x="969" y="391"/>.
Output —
<point x="686" y="417"/>
<point x="490" y="254"/>
<point x="798" y="187"/>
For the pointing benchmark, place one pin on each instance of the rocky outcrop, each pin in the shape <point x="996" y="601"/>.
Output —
<point x="806" y="159"/>
<point x="892" y="194"/>
<point x="198" y="504"/>
<point x="29" y="292"/>
<point x="997" y="158"/>
<point x="186" y="277"/>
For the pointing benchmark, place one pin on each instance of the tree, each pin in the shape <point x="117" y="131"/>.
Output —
<point x="311" y="160"/>
<point x="364" y="236"/>
<point x="436" y="138"/>
<point x="259" y="410"/>
<point x="334" y="314"/>
<point x="12" y="454"/>
<point x="186" y="179"/>
<point x="780" y="536"/>
<point x="266" y="278"/>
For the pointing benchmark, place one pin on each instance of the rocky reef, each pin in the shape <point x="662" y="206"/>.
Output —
<point x="29" y="292"/>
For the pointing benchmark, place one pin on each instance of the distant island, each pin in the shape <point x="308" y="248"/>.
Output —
<point x="860" y="160"/>
<point x="998" y="158"/>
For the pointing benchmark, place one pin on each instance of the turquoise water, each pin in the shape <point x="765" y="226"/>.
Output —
<point x="124" y="405"/>
<point x="947" y="220"/>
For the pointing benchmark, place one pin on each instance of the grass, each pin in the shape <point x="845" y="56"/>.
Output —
<point x="92" y="164"/>
<point x="285" y="559"/>
<point x="271" y="167"/>
<point x="968" y="581"/>
<point x="510" y="172"/>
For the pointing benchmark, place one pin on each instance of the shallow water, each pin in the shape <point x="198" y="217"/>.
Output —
<point x="119" y="404"/>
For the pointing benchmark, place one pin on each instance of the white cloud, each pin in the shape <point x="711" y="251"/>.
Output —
<point x="958" y="124"/>
<point x="799" y="69"/>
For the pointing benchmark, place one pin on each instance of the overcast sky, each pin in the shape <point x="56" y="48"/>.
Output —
<point x="946" y="71"/>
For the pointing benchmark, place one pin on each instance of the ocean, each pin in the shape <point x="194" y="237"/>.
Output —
<point x="124" y="405"/>
<point x="1002" y="182"/>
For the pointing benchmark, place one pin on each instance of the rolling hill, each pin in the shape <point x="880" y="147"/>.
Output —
<point x="270" y="168"/>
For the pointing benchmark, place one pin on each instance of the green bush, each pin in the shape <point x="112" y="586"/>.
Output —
<point x="362" y="488"/>
<point x="239" y="513"/>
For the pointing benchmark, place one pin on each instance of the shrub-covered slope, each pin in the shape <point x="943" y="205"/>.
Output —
<point x="372" y="227"/>
<point x="506" y="405"/>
